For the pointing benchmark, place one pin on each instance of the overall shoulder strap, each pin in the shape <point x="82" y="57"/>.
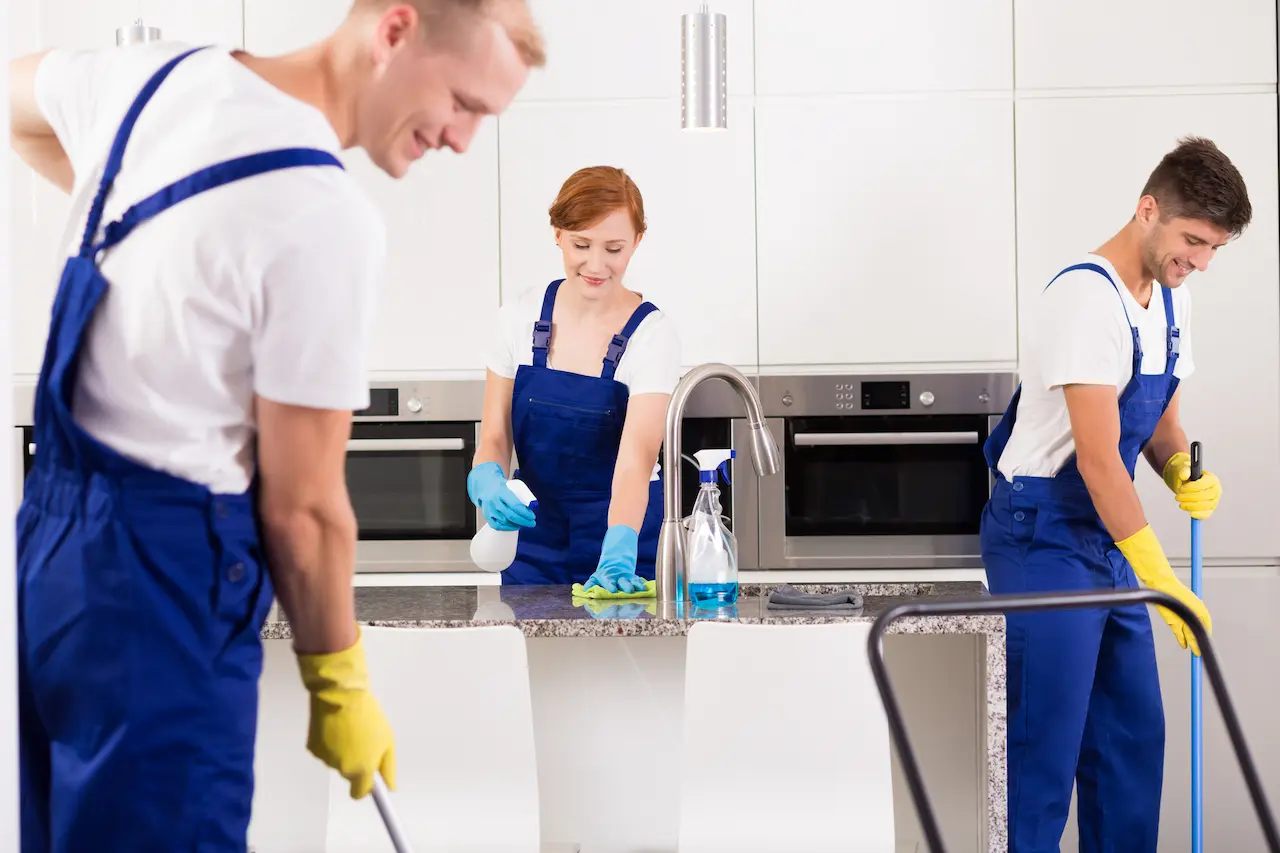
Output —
<point x="542" y="328"/>
<point x="116" y="157"/>
<point x="1133" y="330"/>
<point x="207" y="179"/>
<point x="1173" y="337"/>
<point x="618" y="345"/>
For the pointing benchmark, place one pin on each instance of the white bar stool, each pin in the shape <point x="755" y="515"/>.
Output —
<point x="466" y="768"/>
<point x="785" y="719"/>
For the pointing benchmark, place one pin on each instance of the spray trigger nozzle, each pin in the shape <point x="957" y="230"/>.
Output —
<point x="712" y="461"/>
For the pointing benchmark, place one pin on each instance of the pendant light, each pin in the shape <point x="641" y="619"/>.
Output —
<point x="703" y="75"/>
<point x="136" y="33"/>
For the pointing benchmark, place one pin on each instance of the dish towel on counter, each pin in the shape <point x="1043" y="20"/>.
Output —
<point x="650" y="591"/>
<point x="787" y="597"/>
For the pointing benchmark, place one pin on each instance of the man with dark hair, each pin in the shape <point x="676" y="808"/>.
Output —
<point x="1106" y="352"/>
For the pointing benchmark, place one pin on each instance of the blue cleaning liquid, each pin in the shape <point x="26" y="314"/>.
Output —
<point x="713" y="593"/>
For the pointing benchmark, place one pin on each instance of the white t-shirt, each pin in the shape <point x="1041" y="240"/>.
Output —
<point x="266" y="285"/>
<point x="1078" y="334"/>
<point x="651" y="364"/>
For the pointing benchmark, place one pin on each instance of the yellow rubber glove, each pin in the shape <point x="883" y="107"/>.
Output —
<point x="1198" y="497"/>
<point x="1144" y="553"/>
<point x="348" y="731"/>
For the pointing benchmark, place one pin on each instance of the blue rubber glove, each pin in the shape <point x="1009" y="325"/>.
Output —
<point x="616" y="571"/>
<point x="487" y="487"/>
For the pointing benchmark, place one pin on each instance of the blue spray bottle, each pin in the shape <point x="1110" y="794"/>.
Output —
<point x="711" y="550"/>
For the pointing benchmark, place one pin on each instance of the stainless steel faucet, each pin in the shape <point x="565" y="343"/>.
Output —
<point x="672" y="582"/>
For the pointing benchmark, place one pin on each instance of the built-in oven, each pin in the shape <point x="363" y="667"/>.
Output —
<point x="407" y="463"/>
<point x="877" y="471"/>
<point x="23" y="447"/>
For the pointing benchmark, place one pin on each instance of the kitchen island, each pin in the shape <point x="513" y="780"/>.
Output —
<point x="948" y="672"/>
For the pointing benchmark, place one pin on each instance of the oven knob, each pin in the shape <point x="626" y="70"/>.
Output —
<point x="786" y="400"/>
<point x="984" y="397"/>
<point x="414" y="405"/>
<point x="926" y="398"/>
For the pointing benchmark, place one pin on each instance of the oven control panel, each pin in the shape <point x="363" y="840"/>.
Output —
<point x="424" y="401"/>
<point x="810" y="396"/>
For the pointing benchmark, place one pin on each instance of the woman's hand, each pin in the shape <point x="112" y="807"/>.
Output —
<point x="616" y="571"/>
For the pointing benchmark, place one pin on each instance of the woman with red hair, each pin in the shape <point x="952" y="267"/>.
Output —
<point x="578" y="381"/>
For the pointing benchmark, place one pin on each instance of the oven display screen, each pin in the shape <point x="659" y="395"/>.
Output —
<point x="383" y="403"/>
<point x="886" y="395"/>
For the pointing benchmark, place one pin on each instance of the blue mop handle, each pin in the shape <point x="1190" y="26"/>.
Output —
<point x="1197" y="765"/>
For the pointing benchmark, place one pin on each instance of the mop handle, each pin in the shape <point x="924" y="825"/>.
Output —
<point x="1197" y="745"/>
<point x="382" y="797"/>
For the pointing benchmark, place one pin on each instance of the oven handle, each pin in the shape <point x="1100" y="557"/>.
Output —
<point x="392" y="445"/>
<point x="861" y="439"/>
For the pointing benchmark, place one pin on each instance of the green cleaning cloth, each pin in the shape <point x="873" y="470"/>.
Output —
<point x="650" y="591"/>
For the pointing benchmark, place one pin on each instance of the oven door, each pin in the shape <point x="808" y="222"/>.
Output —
<point x="23" y="458"/>
<point x="408" y="485"/>
<point x="903" y="491"/>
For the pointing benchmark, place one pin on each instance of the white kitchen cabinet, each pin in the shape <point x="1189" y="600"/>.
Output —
<point x="618" y="49"/>
<point x="697" y="261"/>
<point x="441" y="285"/>
<point x="886" y="231"/>
<point x="1141" y="43"/>
<point x="38" y="211"/>
<point x="1081" y="166"/>
<point x="820" y="47"/>
<point x="75" y="23"/>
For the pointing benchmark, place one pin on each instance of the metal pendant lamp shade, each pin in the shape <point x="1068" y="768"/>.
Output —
<point x="703" y="72"/>
<point x="136" y="33"/>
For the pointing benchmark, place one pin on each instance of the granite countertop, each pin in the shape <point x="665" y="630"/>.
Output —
<point x="551" y="611"/>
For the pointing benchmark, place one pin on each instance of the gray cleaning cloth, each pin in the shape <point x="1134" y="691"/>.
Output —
<point x="787" y="597"/>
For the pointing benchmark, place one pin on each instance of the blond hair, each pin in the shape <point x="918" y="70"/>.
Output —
<point x="513" y="15"/>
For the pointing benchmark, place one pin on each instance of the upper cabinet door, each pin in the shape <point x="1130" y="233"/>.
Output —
<point x="278" y="26"/>
<point x="1134" y="43"/>
<point x="819" y="46"/>
<point x="442" y="223"/>
<point x="39" y="211"/>
<point x="697" y="260"/>
<point x="75" y="23"/>
<point x="619" y="49"/>
<point x="1082" y="163"/>
<point x="886" y="231"/>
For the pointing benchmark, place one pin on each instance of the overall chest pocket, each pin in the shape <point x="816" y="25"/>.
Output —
<point x="576" y="443"/>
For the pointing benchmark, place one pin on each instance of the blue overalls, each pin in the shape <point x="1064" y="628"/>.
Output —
<point x="567" y="429"/>
<point x="141" y="597"/>
<point x="1083" y="691"/>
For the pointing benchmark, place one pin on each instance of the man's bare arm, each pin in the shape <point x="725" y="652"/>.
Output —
<point x="30" y="136"/>
<point x="1095" y="427"/>
<point x="308" y="525"/>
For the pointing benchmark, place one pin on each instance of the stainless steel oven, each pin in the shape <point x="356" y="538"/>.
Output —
<point x="407" y="463"/>
<point x="877" y="471"/>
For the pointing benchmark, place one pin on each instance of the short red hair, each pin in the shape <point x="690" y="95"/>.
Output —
<point x="591" y="194"/>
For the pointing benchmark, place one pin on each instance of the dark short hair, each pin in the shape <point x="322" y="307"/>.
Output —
<point x="1197" y="181"/>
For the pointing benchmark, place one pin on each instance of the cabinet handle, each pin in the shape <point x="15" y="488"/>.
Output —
<point x="863" y="439"/>
<point x="394" y="445"/>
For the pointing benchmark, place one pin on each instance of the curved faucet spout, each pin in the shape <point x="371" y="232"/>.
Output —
<point x="671" y="581"/>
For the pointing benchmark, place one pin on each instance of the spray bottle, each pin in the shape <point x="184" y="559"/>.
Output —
<point x="711" y="550"/>
<point x="495" y="550"/>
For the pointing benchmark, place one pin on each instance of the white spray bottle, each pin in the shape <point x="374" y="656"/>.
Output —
<point x="495" y="550"/>
<point x="711" y="550"/>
